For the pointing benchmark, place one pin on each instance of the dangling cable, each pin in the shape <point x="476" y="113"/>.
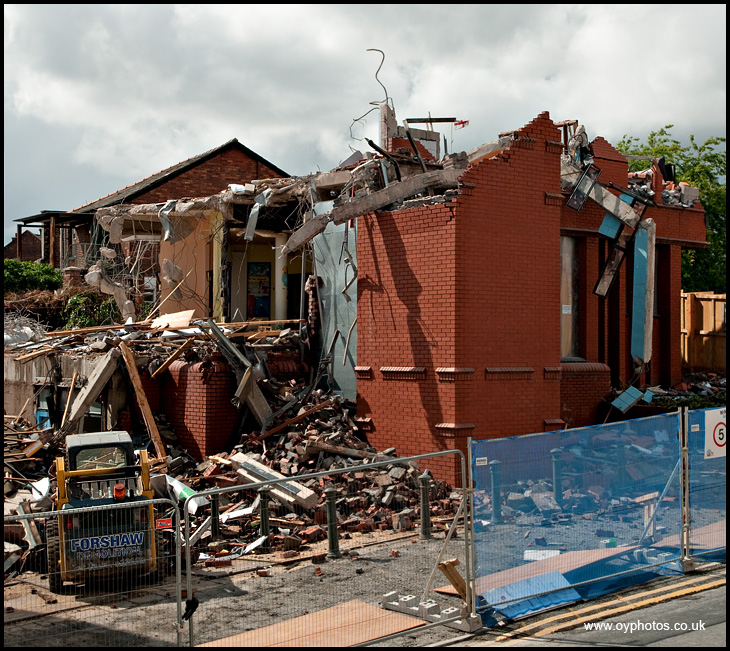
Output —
<point x="376" y="104"/>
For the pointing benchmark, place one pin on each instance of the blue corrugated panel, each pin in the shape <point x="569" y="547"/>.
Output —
<point x="610" y="226"/>
<point x="627" y="399"/>
<point x="528" y="596"/>
<point x="638" y="315"/>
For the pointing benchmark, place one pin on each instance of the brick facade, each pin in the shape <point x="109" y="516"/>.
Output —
<point x="583" y="386"/>
<point x="208" y="177"/>
<point x="459" y="306"/>
<point x="30" y="244"/>
<point x="197" y="399"/>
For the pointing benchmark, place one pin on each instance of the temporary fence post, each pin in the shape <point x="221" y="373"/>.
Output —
<point x="496" y="497"/>
<point x="687" y="562"/>
<point x="557" y="479"/>
<point x="264" y="528"/>
<point x="470" y="548"/>
<point x="215" y="525"/>
<point x="425" y="481"/>
<point x="330" y="494"/>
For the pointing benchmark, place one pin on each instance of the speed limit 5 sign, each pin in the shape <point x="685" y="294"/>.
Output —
<point x="715" y="432"/>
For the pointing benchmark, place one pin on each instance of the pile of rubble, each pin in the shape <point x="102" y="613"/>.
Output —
<point x="19" y="327"/>
<point x="706" y="385"/>
<point x="302" y="430"/>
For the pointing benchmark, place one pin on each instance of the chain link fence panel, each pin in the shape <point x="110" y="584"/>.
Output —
<point x="101" y="576"/>
<point x="707" y="434"/>
<point x="343" y="555"/>
<point x="573" y="514"/>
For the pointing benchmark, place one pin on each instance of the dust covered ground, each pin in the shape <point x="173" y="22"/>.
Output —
<point x="249" y="594"/>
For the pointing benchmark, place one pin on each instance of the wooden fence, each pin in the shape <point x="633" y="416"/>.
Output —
<point x="704" y="331"/>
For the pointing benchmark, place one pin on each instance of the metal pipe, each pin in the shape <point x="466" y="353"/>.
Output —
<point x="496" y="497"/>
<point x="425" y="481"/>
<point x="264" y="527"/>
<point x="330" y="494"/>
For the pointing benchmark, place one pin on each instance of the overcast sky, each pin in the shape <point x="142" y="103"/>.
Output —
<point x="100" y="96"/>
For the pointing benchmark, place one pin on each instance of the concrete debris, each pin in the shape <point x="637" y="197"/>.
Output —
<point x="19" y="328"/>
<point x="305" y="430"/>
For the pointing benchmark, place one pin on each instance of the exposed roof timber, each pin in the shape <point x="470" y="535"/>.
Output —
<point x="396" y="191"/>
<point x="62" y="219"/>
<point x="150" y="211"/>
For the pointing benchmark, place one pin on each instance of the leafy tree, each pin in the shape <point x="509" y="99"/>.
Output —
<point x="702" y="166"/>
<point x="26" y="276"/>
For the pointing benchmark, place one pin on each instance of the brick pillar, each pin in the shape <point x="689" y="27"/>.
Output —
<point x="197" y="398"/>
<point x="72" y="276"/>
<point x="670" y="305"/>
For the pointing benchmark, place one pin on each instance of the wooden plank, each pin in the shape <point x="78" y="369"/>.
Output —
<point x="452" y="574"/>
<point x="97" y="381"/>
<point x="83" y="331"/>
<point x="36" y="353"/>
<point x="173" y="357"/>
<point x="348" y="624"/>
<point x="22" y="411"/>
<point x="144" y="405"/>
<point x="291" y="492"/>
<point x="70" y="396"/>
<point x="248" y="391"/>
<point x="291" y="421"/>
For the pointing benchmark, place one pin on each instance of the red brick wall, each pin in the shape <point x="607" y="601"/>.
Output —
<point x="473" y="285"/>
<point x="197" y="399"/>
<point x="406" y="318"/>
<point x="508" y="315"/>
<point x="209" y="177"/>
<point x="582" y="388"/>
<point x="398" y="144"/>
<point x="30" y="245"/>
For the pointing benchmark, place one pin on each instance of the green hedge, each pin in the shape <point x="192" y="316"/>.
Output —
<point x="26" y="276"/>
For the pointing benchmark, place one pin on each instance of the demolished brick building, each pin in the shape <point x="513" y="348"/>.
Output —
<point x="462" y="327"/>
<point x="476" y="306"/>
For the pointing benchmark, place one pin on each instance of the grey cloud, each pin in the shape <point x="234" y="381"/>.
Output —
<point x="122" y="91"/>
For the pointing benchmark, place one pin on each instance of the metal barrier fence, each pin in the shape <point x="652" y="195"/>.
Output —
<point x="707" y="483"/>
<point x="306" y="560"/>
<point x="574" y="514"/>
<point x="361" y="557"/>
<point x="96" y="576"/>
